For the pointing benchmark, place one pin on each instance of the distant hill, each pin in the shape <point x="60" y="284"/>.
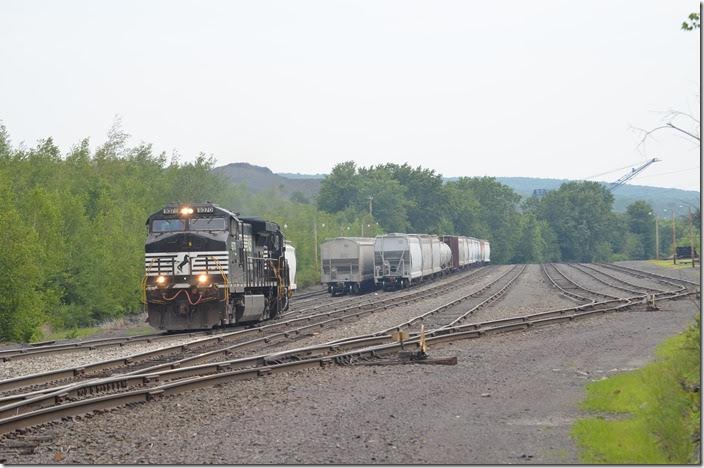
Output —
<point x="262" y="179"/>
<point x="659" y="198"/>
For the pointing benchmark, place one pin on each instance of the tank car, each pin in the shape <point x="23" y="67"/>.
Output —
<point x="485" y="252"/>
<point x="206" y="266"/>
<point x="347" y="264"/>
<point x="442" y="257"/>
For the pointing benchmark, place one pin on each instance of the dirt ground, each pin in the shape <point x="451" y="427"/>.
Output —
<point x="510" y="399"/>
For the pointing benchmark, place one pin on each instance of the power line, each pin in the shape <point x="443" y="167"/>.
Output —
<point x="665" y="173"/>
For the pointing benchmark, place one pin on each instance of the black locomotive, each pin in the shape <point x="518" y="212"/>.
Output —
<point x="206" y="266"/>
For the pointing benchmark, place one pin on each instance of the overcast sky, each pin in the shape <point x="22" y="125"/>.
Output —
<point x="468" y="88"/>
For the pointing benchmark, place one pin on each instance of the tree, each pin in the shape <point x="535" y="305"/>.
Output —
<point x="340" y="189"/>
<point x="641" y="223"/>
<point x="580" y="214"/>
<point x="423" y="192"/>
<point x="497" y="217"/>
<point x="692" y="22"/>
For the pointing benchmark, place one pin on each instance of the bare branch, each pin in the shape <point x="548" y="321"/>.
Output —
<point x="696" y="137"/>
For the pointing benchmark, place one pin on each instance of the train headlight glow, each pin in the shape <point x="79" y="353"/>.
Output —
<point x="186" y="210"/>
<point x="161" y="280"/>
<point x="202" y="279"/>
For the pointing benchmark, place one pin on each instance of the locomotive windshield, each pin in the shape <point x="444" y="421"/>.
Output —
<point x="207" y="224"/>
<point x="168" y="225"/>
<point x="195" y="224"/>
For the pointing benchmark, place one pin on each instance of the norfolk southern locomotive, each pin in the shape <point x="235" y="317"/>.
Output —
<point x="206" y="266"/>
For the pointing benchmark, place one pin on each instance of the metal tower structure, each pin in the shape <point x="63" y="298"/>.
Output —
<point x="634" y="172"/>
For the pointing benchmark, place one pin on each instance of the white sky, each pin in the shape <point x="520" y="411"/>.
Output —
<point x="510" y="88"/>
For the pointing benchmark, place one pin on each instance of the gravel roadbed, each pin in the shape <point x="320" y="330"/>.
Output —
<point x="511" y="399"/>
<point x="531" y="294"/>
<point x="643" y="282"/>
<point x="393" y="316"/>
<point x="583" y="279"/>
<point x="47" y="362"/>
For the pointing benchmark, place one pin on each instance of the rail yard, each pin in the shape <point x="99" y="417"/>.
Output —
<point x="509" y="349"/>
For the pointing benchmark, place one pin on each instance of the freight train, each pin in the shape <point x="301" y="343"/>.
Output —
<point x="206" y="266"/>
<point x="397" y="260"/>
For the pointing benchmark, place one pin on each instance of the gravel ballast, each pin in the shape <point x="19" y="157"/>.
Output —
<point x="511" y="399"/>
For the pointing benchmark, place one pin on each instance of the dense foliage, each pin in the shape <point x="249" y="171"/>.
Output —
<point x="72" y="225"/>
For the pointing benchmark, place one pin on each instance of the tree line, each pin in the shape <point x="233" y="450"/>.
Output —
<point x="575" y="223"/>
<point x="72" y="226"/>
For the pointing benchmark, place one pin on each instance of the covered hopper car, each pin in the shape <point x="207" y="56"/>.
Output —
<point x="347" y="264"/>
<point x="403" y="259"/>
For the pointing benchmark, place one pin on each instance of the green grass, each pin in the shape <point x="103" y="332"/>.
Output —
<point x="681" y="264"/>
<point x="143" y="330"/>
<point x="72" y="333"/>
<point x="85" y="332"/>
<point x="649" y="415"/>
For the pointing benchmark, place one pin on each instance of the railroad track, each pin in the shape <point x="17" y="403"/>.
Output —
<point x="270" y="333"/>
<point x="75" y="399"/>
<point x="630" y="285"/>
<point x="568" y="286"/>
<point x="446" y="316"/>
<point x="30" y="351"/>
<point x="308" y="295"/>
<point x="647" y="274"/>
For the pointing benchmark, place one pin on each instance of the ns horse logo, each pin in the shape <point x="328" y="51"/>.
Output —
<point x="185" y="262"/>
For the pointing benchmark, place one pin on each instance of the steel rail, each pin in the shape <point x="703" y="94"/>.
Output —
<point x="308" y="295"/>
<point x="621" y="280"/>
<point x="440" y="308"/>
<point x="265" y="339"/>
<point x="581" y="286"/>
<point x="430" y="284"/>
<point x="89" y="345"/>
<point x="647" y="273"/>
<point x="59" y="409"/>
<point x="111" y="364"/>
<point x="604" y="282"/>
<point x="491" y="298"/>
<point x="568" y="294"/>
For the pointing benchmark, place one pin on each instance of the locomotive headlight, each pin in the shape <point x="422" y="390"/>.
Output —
<point x="186" y="210"/>
<point x="161" y="280"/>
<point x="202" y="279"/>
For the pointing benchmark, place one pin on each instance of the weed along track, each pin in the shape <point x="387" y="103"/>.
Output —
<point x="211" y="367"/>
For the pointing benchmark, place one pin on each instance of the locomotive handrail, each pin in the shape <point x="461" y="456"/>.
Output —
<point x="225" y="278"/>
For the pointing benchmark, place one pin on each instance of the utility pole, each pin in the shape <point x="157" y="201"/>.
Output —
<point x="657" y="239"/>
<point x="674" y="242"/>
<point x="315" y="242"/>
<point x="370" y="204"/>
<point x="691" y="236"/>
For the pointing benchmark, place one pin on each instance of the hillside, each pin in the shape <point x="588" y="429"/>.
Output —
<point x="262" y="179"/>
<point x="658" y="197"/>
